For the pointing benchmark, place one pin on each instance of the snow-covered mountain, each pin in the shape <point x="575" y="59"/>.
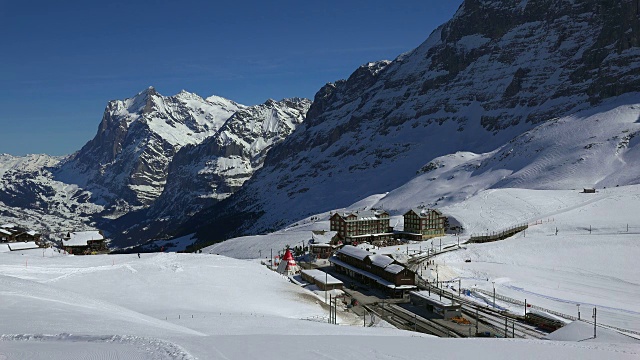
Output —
<point x="136" y="154"/>
<point x="496" y="71"/>
<point x="200" y="175"/>
<point x="127" y="161"/>
<point x="31" y="198"/>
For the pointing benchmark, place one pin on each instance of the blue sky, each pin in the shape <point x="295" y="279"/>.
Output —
<point x="62" y="61"/>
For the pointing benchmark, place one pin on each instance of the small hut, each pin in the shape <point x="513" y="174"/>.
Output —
<point x="288" y="264"/>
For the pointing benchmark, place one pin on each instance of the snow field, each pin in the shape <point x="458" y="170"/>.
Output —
<point x="201" y="306"/>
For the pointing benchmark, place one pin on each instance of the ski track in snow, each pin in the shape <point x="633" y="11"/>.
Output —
<point x="73" y="346"/>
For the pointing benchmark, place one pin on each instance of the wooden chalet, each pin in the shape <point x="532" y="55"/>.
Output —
<point x="84" y="242"/>
<point x="375" y="270"/>
<point x="12" y="233"/>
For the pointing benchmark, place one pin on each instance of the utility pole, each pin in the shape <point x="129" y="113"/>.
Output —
<point x="326" y="281"/>
<point x="594" y="323"/>
<point x="506" y="329"/>
<point x="525" y="308"/>
<point x="459" y="289"/>
<point x="578" y="311"/>
<point x="271" y="263"/>
<point x="440" y="244"/>
<point x="330" y="307"/>
<point x="477" y="317"/>
<point x="494" y="293"/>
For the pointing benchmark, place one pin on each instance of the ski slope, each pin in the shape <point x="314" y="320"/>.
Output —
<point x="202" y="306"/>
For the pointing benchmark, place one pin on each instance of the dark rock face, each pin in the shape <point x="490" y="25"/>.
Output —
<point x="495" y="70"/>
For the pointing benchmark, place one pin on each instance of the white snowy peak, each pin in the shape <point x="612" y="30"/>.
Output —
<point x="128" y="158"/>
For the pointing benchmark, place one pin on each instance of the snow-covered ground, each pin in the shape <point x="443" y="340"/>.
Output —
<point x="556" y="272"/>
<point x="202" y="306"/>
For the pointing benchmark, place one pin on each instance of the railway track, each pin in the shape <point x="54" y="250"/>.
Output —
<point x="407" y="320"/>
<point x="492" y="318"/>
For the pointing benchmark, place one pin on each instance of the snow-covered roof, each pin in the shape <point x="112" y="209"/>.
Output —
<point x="434" y="298"/>
<point x="381" y="260"/>
<point x="424" y="212"/>
<point x="321" y="277"/>
<point x="32" y="232"/>
<point x="323" y="238"/>
<point x="394" y="268"/>
<point x="365" y="214"/>
<point x="23" y="245"/>
<point x="80" y="238"/>
<point x="371" y="276"/>
<point x="3" y="231"/>
<point x="354" y="252"/>
<point x="8" y="226"/>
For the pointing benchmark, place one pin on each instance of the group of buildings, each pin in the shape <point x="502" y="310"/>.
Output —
<point x="11" y="233"/>
<point x="348" y="229"/>
<point x="373" y="227"/>
<point x="78" y="242"/>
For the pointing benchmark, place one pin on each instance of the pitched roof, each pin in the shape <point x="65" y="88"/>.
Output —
<point x="423" y="212"/>
<point x="321" y="277"/>
<point x="394" y="268"/>
<point x="22" y="245"/>
<point x="364" y="214"/>
<point x="381" y="260"/>
<point x="80" y="238"/>
<point x="354" y="252"/>
<point x="323" y="238"/>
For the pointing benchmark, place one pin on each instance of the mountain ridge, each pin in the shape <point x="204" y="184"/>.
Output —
<point x="492" y="73"/>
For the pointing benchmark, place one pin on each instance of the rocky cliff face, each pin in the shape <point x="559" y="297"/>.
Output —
<point x="126" y="162"/>
<point x="494" y="71"/>
<point x="201" y="175"/>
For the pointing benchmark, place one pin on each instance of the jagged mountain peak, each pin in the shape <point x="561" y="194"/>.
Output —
<point x="136" y="140"/>
<point x="202" y="174"/>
